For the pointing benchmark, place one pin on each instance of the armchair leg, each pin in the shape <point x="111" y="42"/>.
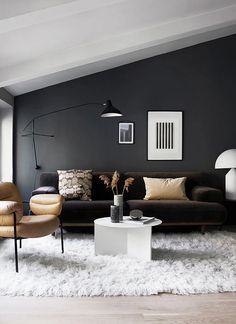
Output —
<point x="20" y="243"/>
<point x="62" y="240"/>
<point x="15" y="242"/>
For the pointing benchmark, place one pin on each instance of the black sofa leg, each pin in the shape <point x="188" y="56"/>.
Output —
<point x="203" y="229"/>
<point x="62" y="239"/>
<point x="20" y="243"/>
<point x="15" y="243"/>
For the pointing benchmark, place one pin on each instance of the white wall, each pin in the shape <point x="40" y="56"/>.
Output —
<point x="6" y="135"/>
<point x="6" y="144"/>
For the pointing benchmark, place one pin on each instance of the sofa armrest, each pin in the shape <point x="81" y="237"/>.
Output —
<point x="45" y="190"/>
<point x="207" y="194"/>
<point x="46" y="204"/>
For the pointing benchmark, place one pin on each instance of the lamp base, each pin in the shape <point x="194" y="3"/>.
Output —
<point x="230" y="185"/>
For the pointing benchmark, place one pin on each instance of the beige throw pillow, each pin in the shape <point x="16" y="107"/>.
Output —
<point x="75" y="184"/>
<point x="165" y="188"/>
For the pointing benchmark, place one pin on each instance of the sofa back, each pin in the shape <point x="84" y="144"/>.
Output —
<point x="49" y="179"/>
<point x="99" y="190"/>
<point x="137" y="190"/>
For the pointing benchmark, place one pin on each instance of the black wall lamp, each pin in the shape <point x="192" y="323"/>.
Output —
<point x="109" y="111"/>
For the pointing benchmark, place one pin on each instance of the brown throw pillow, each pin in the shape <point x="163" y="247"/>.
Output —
<point x="165" y="188"/>
<point x="75" y="184"/>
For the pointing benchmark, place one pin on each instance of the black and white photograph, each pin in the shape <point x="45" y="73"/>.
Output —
<point x="126" y="133"/>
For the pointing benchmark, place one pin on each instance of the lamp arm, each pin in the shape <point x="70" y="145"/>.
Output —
<point x="47" y="114"/>
<point x="110" y="111"/>
<point x="59" y="110"/>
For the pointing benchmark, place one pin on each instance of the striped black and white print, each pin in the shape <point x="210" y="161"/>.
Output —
<point x="165" y="135"/>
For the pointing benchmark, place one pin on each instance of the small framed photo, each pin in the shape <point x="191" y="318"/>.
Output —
<point x="126" y="133"/>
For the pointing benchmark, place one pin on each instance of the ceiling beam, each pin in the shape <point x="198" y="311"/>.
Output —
<point x="121" y="45"/>
<point x="6" y="99"/>
<point x="115" y="61"/>
<point x="52" y="13"/>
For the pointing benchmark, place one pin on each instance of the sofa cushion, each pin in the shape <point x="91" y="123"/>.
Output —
<point x="75" y="184"/>
<point x="168" y="188"/>
<point x="77" y="211"/>
<point x="79" y="205"/>
<point x="181" y="211"/>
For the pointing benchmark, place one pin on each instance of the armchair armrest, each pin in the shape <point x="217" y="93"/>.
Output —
<point x="7" y="208"/>
<point x="45" y="190"/>
<point x="46" y="204"/>
<point x="207" y="194"/>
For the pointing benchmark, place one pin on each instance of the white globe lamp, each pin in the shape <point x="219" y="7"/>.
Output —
<point x="227" y="160"/>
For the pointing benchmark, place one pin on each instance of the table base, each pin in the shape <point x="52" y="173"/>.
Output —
<point x="135" y="242"/>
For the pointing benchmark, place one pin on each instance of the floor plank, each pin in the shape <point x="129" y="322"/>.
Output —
<point x="165" y="308"/>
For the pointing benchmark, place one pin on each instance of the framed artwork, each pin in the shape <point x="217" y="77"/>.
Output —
<point x="165" y="137"/>
<point x="126" y="133"/>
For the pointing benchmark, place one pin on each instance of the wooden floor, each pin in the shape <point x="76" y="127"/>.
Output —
<point x="213" y="308"/>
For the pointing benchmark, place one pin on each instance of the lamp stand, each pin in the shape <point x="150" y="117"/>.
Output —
<point x="230" y="184"/>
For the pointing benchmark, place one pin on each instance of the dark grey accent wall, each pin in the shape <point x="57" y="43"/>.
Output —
<point x="200" y="80"/>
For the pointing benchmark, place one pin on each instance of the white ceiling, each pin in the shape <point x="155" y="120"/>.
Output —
<point x="44" y="42"/>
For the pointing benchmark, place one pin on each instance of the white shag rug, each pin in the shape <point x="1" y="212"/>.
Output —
<point x="183" y="264"/>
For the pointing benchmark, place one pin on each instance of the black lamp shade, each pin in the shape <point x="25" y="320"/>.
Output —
<point x="110" y="110"/>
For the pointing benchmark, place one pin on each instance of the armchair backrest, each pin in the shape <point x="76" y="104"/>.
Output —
<point x="9" y="193"/>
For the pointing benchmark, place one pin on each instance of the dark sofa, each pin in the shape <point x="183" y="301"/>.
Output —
<point x="203" y="208"/>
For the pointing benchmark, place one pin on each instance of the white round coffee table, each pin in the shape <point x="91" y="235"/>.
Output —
<point x="124" y="238"/>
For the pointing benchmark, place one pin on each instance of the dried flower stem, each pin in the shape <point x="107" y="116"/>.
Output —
<point x="113" y="183"/>
<point x="128" y="182"/>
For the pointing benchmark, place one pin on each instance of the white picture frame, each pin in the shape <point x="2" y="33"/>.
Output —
<point x="165" y="139"/>
<point x="126" y="133"/>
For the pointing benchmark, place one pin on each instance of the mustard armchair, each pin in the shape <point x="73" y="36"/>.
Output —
<point x="46" y="209"/>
